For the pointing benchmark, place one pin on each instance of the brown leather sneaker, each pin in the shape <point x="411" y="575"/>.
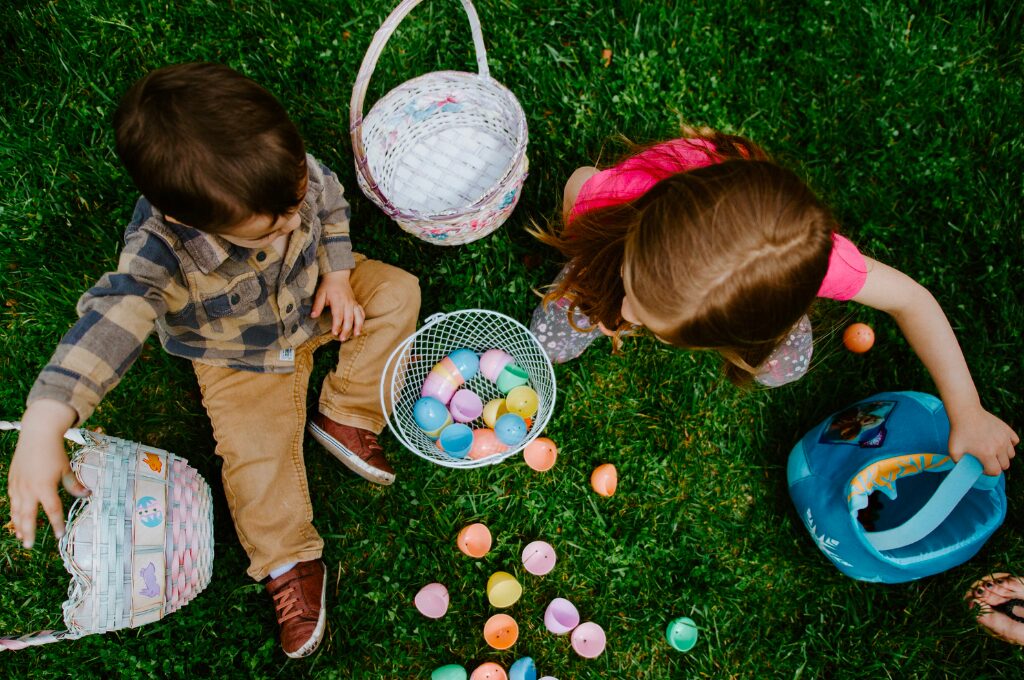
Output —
<point x="299" y="604"/>
<point x="356" y="448"/>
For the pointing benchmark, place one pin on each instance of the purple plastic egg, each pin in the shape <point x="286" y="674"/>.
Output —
<point x="465" y="406"/>
<point x="492" y="361"/>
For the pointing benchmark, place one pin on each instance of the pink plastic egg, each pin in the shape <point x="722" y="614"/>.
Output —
<point x="492" y="362"/>
<point x="432" y="600"/>
<point x="561" y="616"/>
<point x="485" y="443"/>
<point x="588" y="640"/>
<point x="604" y="479"/>
<point x="539" y="558"/>
<point x="442" y="381"/>
<point x="465" y="406"/>
<point x="489" y="671"/>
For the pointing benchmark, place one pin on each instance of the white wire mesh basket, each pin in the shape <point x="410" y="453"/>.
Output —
<point x="478" y="330"/>
<point x="444" y="154"/>
<point x="139" y="547"/>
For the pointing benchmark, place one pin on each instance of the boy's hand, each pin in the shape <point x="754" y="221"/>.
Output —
<point x="347" y="315"/>
<point x="39" y="465"/>
<point x="984" y="436"/>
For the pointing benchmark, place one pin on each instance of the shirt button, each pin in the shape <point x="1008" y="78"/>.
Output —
<point x="235" y="299"/>
<point x="289" y="308"/>
<point x="260" y="256"/>
<point x="295" y="327"/>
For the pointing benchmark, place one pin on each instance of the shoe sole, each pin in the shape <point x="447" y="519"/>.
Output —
<point x="349" y="459"/>
<point x="314" y="640"/>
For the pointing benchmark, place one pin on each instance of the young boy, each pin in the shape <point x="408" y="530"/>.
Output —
<point x="239" y="243"/>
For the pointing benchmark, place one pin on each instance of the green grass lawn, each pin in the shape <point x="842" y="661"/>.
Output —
<point x="907" y="119"/>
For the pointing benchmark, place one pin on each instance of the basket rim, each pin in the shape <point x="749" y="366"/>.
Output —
<point x="387" y="388"/>
<point x="364" y="173"/>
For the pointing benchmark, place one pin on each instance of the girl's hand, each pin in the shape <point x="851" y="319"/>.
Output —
<point x="39" y="465"/>
<point x="347" y="315"/>
<point x="984" y="436"/>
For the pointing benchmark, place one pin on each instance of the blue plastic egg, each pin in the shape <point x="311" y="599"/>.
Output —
<point x="466" y="361"/>
<point x="456" y="440"/>
<point x="431" y="416"/>
<point x="523" y="669"/>
<point x="510" y="428"/>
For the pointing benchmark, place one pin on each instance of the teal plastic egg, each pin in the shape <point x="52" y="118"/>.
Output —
<point x="466" y="361"/>
<point x="511" y="377"/>
<point x="452" y="671"/>
<point x="456" y="440"/>
<point x="431" y="416"/>
<point x="510" y="428"/>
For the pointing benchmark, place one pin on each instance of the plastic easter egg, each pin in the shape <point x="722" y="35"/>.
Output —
<point x="858" y="338"/>
<point x="604" y="479"/>
<point x="442" y="381"/>
<point x="503" y="590"/>
<point x="522" y="400"/>
<point x="492" y="362"/>
<point x="561" y="616"/>
<point x="540" y="454"/>
<point x="523" y="669"/>
<point x="549" y="677"/>
<point x="432" y="600"/>
<point x="494" y="409"/>
<point x="489" y="671"/>
<point x="538" y="558"/>
<point x="466" y="362"/>
<point x="431" y="416"/>
<point x="452" y="671"/>
<point x="511" y="377"/>
<point x="501" y="631"/>
<point x="589" y="640"/>
<point x="465" y="406"/>
<point x="474" y="540"/>
<point x="682" y="634"/>
<point x="456" y="440"/>
<point x="510" y="429"/>
<point x="485" y="443"/>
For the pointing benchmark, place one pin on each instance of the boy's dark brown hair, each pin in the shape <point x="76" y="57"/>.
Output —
<point x="725" y="257"/>
<point x="209" y="147"/>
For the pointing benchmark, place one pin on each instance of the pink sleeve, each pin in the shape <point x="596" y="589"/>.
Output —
<point x="846" y="273"/>
<point x="634" y="176"/>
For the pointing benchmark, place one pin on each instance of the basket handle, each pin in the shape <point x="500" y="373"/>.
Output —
<point x="368" y="66"/>
<point x="966" y="475"/>
<point x="74" y="434"/>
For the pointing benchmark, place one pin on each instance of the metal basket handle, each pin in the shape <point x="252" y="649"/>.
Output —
<point x="367" y="68"/>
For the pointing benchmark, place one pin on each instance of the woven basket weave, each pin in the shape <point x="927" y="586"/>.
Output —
<point x="139" y="547"/>
<point x="444" y="154"/>
<point x="478" y="330"/>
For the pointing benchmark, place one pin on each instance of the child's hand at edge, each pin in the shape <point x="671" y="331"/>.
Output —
<point x="39" y="465"/>
<point x="984" y="436"/>
<point x="347" y="315"/>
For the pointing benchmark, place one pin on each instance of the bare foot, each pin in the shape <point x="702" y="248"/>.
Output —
<point x="999" y="600"/>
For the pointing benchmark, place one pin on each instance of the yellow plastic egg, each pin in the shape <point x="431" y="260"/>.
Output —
<point x="604" y="479"/>
<point x="503" y="590"/>
<point x="494" y="409"/>
<point x="522" y="401"/>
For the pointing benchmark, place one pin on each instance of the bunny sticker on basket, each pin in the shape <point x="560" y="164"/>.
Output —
<point x="138" y="547"/>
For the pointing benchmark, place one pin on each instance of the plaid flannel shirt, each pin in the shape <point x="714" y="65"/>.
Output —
<point x="211" y="301"/>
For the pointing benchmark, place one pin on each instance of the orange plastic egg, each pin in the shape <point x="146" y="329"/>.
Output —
<point x="858" y="338"/>
<point x="604" y="479"/>
<point x="474" y="540"/>
<point x="540" y="454"/>
<point x="485" y="443"/>
<point x="501" y="632"/>
<point x="489" y="671"/>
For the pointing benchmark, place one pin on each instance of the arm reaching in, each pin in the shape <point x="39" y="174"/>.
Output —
<point x="972" y="429"/>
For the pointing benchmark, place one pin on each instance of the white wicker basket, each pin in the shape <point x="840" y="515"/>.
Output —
<point x="139" y="547"/>
<point x="478" y="330"/>
<point x="444" y="154"/>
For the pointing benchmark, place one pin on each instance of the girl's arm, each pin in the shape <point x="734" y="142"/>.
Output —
<point x="972" y="429"/>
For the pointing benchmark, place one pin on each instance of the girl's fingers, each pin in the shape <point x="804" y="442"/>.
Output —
<point x="54" y="511"/>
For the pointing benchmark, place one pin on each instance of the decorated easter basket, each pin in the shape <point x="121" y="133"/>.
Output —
<point x="444" y="154"/>
<point x="139" y="547"/>
<point x="478" y="330"/>
<point x="883" y="500"/>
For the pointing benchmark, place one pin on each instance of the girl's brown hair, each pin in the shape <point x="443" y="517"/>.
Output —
<point x="209" y="147"/>
<point x="725" y="257"/>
